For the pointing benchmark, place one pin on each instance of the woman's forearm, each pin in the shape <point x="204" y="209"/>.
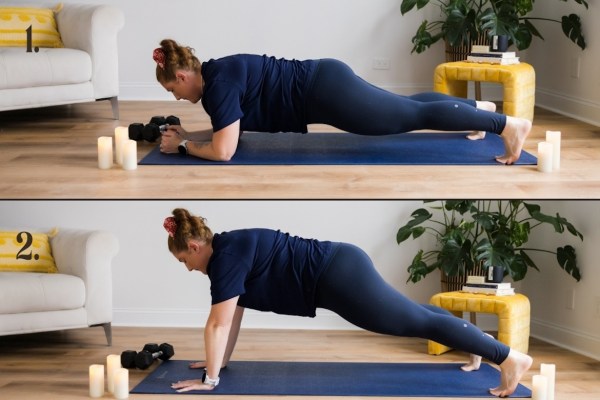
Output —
<point x="215" y="341"/>
<point x="216" y="334"/>
<point x="233" y="334"/>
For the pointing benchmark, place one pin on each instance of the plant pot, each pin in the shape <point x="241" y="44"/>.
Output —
<point x="494" y="274"/>
<point x="456" y="282"/>
<point x="460" y="53"/>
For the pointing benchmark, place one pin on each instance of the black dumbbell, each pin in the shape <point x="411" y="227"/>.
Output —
<point x="152" y="131"/>
<point x="145" y="358"/>
<point x="128" y="356"/>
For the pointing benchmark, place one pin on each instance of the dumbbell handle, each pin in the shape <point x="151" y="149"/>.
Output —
<point x="157" y="354"/>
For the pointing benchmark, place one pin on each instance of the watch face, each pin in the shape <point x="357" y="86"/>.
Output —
<point x="182" y="149"/>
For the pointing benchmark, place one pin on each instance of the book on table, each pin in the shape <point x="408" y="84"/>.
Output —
<point x="494" y="54"/>
<point x="483" y="54"/>
<point x="478" y="284"/>
<point x="493" y="60"/>
<point x="491" y="291"/>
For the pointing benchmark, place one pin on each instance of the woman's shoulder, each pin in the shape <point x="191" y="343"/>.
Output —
<point x="244" y="234"/>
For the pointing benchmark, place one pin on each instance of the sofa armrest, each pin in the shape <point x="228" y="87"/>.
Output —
<point x="88" y="255"/>
<point x="93" y="29"/>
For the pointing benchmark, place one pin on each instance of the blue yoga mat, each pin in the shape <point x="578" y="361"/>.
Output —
<point x="423" y="148"/>
<point x="268" y="378"/>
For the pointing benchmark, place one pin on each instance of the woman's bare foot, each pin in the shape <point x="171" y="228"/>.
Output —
<point x="511" y="371"/>
<point x="476" y="135"/>
<point x="514" y="134"/>
<point x="474" y="361"/>
<point x="473" y="364"/>
<point x="486" y="106"/>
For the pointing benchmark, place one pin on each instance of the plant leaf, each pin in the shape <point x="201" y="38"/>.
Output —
<point x="418" y="217"/>
<point x="571" y="26"/>
<point x="407" y="5"/>
<point x="568" y="261"/>
<point x="418" y="269"/>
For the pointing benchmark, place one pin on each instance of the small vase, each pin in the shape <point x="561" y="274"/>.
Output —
<point x="494" y="274"/>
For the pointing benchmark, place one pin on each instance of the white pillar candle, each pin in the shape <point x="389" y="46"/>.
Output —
<point x="96" y="380"/>
<point x="113" y="362"/>
<point x="105" y="152"/>
<point x="549" y="371"/>
<point x="130" y="155"/>
<point x="121" y="137"/>
<point x="554" y="138"/>
<point x="540" y="388"/>
<point x="545" y="157"/>
<point x="121" y="383"/>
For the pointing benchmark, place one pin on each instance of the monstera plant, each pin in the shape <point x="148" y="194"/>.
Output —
<point x="462" y="22"/>
<point x="484" y="232"/>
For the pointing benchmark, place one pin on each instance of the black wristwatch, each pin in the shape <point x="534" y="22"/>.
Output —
<point x="183" y="147"/>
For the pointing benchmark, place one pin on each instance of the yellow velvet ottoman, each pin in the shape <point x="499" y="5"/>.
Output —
<point x="513" y="316"/>
<point x="518" y="81"/>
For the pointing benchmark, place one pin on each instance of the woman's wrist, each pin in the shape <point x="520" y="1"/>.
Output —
<point x="207" y="380"/>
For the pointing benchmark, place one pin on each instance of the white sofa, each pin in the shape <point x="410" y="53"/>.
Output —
<point x="86" y="69"/>
<point x="79" y="295"/>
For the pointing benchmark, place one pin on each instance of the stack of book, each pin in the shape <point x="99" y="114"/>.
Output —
<point x="482" y="54"/>
<point x="477" y="284"/>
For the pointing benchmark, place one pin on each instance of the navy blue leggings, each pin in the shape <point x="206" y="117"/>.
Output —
<point x="353" y="289"/>
<point x="340" y="98"/>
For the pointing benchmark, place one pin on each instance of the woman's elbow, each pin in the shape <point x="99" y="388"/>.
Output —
<point x="224" y="156"/>
<point x="223" y="153"/>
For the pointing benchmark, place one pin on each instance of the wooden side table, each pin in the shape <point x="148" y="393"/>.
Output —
<point x="513" y="316"/>
<point x="518" y="81"/>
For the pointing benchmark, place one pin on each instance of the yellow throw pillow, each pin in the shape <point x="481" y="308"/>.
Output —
<point x="24" y="251"/>
<point x="15" y="22"/>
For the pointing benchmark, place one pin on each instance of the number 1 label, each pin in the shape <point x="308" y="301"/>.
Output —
<point x="30" y="40"/>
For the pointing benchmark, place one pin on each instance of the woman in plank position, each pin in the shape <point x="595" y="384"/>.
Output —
<point x="258" y="93"/>
<point x="268" y="270"/>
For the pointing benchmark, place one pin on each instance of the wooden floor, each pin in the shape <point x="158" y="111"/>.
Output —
<point x="50" y="153"/>
<point x="54" y="365"/>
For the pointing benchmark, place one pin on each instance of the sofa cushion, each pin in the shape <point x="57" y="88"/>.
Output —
<point x="23" y="251"/>
<point x="34" y="292"/>
<point x="48" y="67"/>
<point x="15" y="22"/>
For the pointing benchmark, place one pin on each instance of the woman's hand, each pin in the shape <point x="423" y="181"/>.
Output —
<point x="198" y="364"/>
<point x="171" y="138"/>
<point x="186" y="386"/>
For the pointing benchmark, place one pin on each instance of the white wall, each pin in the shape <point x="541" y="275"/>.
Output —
<point x="152" y="289"/>
<point x="355" y="31"/>
<point x="554" y="60"/>
<point x="550" y="290"/>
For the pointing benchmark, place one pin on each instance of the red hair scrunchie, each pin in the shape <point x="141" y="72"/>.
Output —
<point x="170" y="226"/>
<point x="159" y="57"/>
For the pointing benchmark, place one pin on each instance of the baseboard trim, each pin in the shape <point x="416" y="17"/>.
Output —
<point x="572" y="340"/>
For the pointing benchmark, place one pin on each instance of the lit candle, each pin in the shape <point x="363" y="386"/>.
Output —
<point x="540" y="388"/>
<point x="105" y="152"/>
<point x="121" y="137"/>
<point x="96" y="380"/>
<point x="130" y="155"/>
<point x="121" y="383"/>
<point x="545" y="157"/>
<point x="549" y="371"/>
<point x="554" y="138"/>
<point x="113" y="362"/>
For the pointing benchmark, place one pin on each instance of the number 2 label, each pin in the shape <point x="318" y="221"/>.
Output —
<point x="21" y="255"/>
